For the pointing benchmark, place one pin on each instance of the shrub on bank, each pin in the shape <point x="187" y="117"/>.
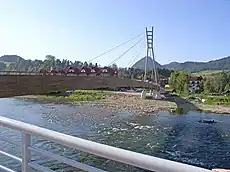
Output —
<point x="77" y="95"/>
<point x="218" y="100"/>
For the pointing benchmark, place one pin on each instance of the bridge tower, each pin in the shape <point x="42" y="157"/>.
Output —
<point x="150" y="53"/>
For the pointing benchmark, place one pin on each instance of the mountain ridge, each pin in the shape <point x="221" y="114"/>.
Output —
<point x="10" y="58"/>
<point x="188" y="66"/>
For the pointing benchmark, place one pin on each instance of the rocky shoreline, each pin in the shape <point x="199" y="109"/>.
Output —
<point x="137" y="106"/>
<point x="134" y="104"/>
<point x="120" y="102"/>
<point x="215" y="109"/>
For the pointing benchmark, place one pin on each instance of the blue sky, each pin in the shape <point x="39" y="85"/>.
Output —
<point x="185" y="30"/>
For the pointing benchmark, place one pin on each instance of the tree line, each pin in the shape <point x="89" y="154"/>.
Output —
<point x="21" y="64"/>
<point x="215" y="83"/>
<point x="50" y="61"/>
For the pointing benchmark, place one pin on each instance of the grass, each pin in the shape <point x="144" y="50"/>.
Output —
<point x="76" y="96"/>
<point x="209" y="100"/>
<point x="207" y="72"/>
<point x="217" y="100"/>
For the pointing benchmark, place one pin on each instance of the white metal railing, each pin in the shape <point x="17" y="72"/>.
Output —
<point x="120" y="155"/>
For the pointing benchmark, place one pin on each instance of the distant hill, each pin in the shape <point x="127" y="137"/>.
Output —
<point x="141" y="64"/>
<point x="15" y="62"/>
<point x="220" y="64"/>
<point x="6" y="60"/>
<point x="10" y="58"/>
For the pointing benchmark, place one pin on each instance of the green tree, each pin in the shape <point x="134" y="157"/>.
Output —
<point x="221" y="80"/>
<point x="227" y="87"/>
<point x="90" y="64"/>
<point x="58" y="63"/>
<point x="114" y="66"/>
<point x="182" y="80"/>
<point x="85" y="64"/>
<point x="209" y="86"/>
<point x="186" y="88"/>
<point x="173" y="79"/>
<point x="201" y="87"/>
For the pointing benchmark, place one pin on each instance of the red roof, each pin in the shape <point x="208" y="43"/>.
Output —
<point x="107" y="70"/>
<point x="85" y="70"/>
<point x="195" y="78"/>
<point x="73" y="70"/>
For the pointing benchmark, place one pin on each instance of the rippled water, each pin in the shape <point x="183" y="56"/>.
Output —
<point x="175" y="137"/>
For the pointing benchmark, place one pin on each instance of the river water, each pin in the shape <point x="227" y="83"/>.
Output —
<point x="176" y="137"/>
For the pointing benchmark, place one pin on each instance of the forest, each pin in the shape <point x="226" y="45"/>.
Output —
<point x="215" y="83"/>
<point x="16" y="63"/>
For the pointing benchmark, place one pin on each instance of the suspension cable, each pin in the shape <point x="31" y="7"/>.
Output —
<point x="136" y="56"/>
<point x="115" y="47"/>
<point x="125" y="52"/>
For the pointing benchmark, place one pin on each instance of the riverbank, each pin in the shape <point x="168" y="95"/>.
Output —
<point x="209" y="103"/>
<point x="112" y="100"/>
<point x="193" y="105"/>
<point x="130" y="102"/>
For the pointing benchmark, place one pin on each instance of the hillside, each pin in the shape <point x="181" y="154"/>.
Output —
<point x="141" y="64"/>
<point x="10" y="58"/>
<point x="15" y="62"/>
<point x="7" y="60"/>
<point x="220" y="64"/>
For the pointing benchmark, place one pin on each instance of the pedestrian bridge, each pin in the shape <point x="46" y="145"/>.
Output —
<point x="28" y="150"/>
<point x="34" y="84"/>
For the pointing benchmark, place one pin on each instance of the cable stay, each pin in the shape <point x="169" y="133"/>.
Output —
<point x="115" y="47"/>
<point x="136" y="56"/>
<point x="125" y="52"/>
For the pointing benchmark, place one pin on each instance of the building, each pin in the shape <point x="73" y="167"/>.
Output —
<point x="106" y="72"/>
<point x="163" y="81"/>
<point x="194" y="84"/>
<point x="84" y="71"/>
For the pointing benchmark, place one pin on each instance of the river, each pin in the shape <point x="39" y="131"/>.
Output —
<point x="176" y="137"/>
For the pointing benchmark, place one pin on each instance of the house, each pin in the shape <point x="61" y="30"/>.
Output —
<point x="98" y="70"/>
<point x="194" y="84"/>
<point x="84" y="71"/>
<point x="105" y="72"/>
<point x="115" y="72"/>
<point x="94" y="71"/>
<point x="70" y="71"/>
<point x="53" y="71"/>
<point x="162" y="80"/>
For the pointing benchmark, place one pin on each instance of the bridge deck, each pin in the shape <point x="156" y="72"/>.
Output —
<point x="18" y="85"/>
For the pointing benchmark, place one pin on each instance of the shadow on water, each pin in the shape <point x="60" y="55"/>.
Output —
<point x="183" y="106"/>
<point x="195" y="143"/>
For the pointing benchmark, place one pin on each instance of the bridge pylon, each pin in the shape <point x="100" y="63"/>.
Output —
<point x="150" y="53"/>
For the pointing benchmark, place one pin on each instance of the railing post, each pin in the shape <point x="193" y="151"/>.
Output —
<point x="26" y="157"/>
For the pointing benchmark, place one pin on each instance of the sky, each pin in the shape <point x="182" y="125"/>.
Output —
<point x="184" y="30"/>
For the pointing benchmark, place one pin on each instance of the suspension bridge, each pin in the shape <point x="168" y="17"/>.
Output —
<point x="15" y="83"/>
<point x="22" y="83"/>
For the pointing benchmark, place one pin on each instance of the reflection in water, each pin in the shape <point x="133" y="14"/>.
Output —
<point x="176" y="137"/>
<point x="178" y="111"/>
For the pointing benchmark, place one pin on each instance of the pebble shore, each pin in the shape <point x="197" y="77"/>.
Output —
<point x="133" y="104"/>
<point x="137" y="106"/>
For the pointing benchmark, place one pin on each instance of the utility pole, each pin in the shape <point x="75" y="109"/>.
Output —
<point x="150" y="51"/>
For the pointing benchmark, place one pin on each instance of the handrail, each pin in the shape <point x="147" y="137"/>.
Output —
<point x="120" y="155"/>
